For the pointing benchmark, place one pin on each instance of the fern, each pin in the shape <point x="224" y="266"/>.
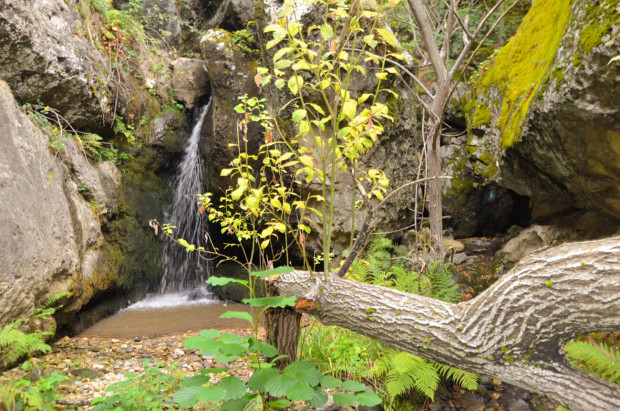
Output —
<point x="14" y="343"/>
<point x="465" y="379"/>
<point x="54" y="298"/>
<point x="598" y="359"/>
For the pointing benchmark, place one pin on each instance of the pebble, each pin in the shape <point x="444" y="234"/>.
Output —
<point x="109" y="359"/>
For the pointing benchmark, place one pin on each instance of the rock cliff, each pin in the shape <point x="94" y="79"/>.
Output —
<point x="50" y="236"/>
<point x="546" y="116"/>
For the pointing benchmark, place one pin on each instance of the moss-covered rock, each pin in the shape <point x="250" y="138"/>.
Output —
<point x="555" y="107"/>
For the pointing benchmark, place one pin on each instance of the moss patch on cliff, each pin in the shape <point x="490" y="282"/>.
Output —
<point x="601" y="16"/>
<point x="522" y="65"/>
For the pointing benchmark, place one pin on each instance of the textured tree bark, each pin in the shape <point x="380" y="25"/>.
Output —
<point x="283" y="329"/>
<point x="514" y="331"/>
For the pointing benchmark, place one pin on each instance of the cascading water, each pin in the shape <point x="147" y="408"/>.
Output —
<point x="182" y="270"/>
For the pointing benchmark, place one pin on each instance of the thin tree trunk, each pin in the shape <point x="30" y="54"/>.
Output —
<point x="514" y="331"/>
<point x="283" y="329"/>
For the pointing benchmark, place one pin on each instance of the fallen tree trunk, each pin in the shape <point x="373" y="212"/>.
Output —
<point x="514" y="331"/>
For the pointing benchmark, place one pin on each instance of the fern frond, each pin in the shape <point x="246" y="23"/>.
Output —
<point x="54" y="298"/>
<point x="8" y="393"/>
<point x="600" y="360"/>
<point x="15" y="344"/>
<point x="465" y="379"/>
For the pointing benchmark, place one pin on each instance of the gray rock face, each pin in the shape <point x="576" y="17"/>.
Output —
<point x="50" y="236"/>
<point x="45" y="56"/>
<point x="190" y="81"/>
<point x="231" y="74"/>
<point x="568" y="150"/>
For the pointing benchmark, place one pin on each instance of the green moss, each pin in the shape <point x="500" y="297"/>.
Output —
<point x="522" y="65"/>
<point x="489" y="169"/>
<point x="460" y="185"/>
<point x="508" y="358"/>
<point x="601" y="16"/>
<point x="481" y="117"/>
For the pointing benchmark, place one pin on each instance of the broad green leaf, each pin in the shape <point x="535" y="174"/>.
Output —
<point x="277" y="386"/>
<point x="206" y="346"/>
<point x="240" y="315"/>
<point x="299" y="115"/>
<point x="327" y="32"/>
<point x="304" y="372"/>
<point x="237" y="405"/>
<point x="260" y="378"/>
<point x="301" y="65"/>
<point x="327" y="381"/>
<point x="224" y="280"/>
<point x="234" y="350"/>
<point x="280" y="83"/>
<point x="271" y="302"/>
<point x="186" y="397"/>
<point x="216" y="393"/>
<point x="388" y="36"/>
<point x="266" y="349"/>
<point x="364" y="97"/>
<point x="351" y="385"/>
<point x="230" y="339"/>
<point x="300" y="392"/>
<point x="195" y="381"/>
<point x="211" y="333"/>
<point x="344" y="399"/>
<point x="273" y="271"/>
<point x="225" y="358"/>
<point x="234" y="386"/>
<point x="319" y="399"/>
<point x="282" y="403"/>
<point x="368" y="399"/>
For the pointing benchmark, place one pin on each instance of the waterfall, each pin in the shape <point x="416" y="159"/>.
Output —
<point x="182" y="270"/>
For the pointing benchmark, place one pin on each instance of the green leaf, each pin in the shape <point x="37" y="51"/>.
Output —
<point x="240" y="315"/>
<point x="224" y="280"/>
<point x="300" y="392"/>
<point x="295" y="83"/>
<point x="304" y="372"/>
<point x="388" y="36"/>
<point x="370" y="40"/>
<point x="271" y="302"/>
<point x="211" y="333"/>
<point x="299" y="115"/>
<point x="277" y="386"/>
<point x="186" y="397"/>
<point x="349" y="108"/>
<point x="282" y="403"/>
<point x="207" y="346"/>
<point x="237" y="405"/>
<point x="266" y="349"/>
<point x="327" y="32"/>
<point x="225" y="358"/>
<point x="234" y="386"/>
<point x="260" y="378"/>
<point x="319" y="399"/>
<point x="195" y="381"/>
<point x="327" y="381"/>
<point x="230" y="339"/>
<point x="273" y="271"/>
<point x="216" y="393"/>
<point x="344" y="399"/>
<point x="368" y="399"/>
<point x="351" y="385"/>
<point x="280" y="83"/>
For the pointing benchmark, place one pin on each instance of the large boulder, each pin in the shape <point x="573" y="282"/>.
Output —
<point x="546" y="121"/>
<point x="50" y="235"/>
<point x="47" y="55"/>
